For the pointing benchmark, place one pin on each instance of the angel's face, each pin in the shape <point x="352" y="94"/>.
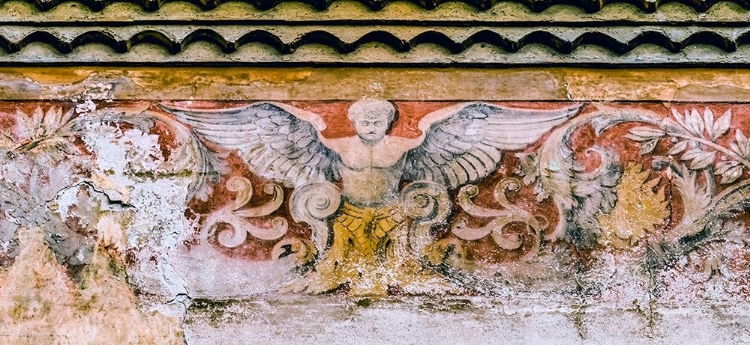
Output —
<point x="371" y="127"/>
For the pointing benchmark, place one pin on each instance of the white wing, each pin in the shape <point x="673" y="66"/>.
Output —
<point x="465" y="143"/>
<point x="275" y="143"/>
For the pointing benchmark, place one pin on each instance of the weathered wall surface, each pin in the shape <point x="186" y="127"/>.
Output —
<point x="410" y="172"/>
<point x="246" y="206"/>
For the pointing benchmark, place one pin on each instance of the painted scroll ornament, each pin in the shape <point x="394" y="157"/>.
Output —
<point x="500" y="218"/>
<point x="236" y="215"/>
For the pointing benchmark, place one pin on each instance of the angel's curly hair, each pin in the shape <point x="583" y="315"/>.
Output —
<point x="372" y="106"/>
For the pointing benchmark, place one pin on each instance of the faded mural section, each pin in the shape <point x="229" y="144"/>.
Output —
<point x="175" y="217"/>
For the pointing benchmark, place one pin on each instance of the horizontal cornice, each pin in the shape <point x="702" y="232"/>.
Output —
<point x="15" y="12"/>
<point x="589" y="6"/>
<point x="366" y="45"/>
<point x="351" y="33"/>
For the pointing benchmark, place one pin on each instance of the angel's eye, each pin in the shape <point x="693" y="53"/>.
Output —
<point x="378" y="123"/>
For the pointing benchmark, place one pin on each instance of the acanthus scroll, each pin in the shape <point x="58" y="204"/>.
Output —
<point x="428" y="204"/>
<point x="236" y="217"/>
<point x="313" y="203"/>
<point x="500" y="217"/>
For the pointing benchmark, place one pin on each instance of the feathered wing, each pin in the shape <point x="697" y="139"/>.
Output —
<point x="274" y="142"/>
<point x="465" y="143"/>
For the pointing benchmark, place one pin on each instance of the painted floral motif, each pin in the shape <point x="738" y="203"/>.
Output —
<point x="641" y="209"/>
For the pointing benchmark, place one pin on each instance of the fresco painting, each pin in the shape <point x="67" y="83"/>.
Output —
<point x="390" y="198"/>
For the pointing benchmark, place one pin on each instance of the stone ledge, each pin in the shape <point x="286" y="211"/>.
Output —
<point x="436" y="84"/>
<point x="415" y="320"/>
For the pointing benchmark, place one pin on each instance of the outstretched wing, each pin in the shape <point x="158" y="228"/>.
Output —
<point x="275" y="143"/>
<point x="464" y="143"/>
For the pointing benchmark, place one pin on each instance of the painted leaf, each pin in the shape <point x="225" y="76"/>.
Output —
<point x="680" y="119"/>
<point x="633" y="137"/>
<point x="694" y="123"/>
<point x="721" y="126"/>
<point x="648" y="146"/>
<point x="703" y="160"/>
<point x="723" y="166"/>
<point x="708" y="119"/>
<point x="730" y="171"/>
<point x="24" y="127"/>
<point x="67" y="116"/>
<point x="732" y="174"/>
<point x="678" y="147"/>
<point x="37" y="123"/>
<point x="644" y="133"/>
<point x="691" y="154"/>
<point x="52" y="120"/>
<point x="742" y="146"/>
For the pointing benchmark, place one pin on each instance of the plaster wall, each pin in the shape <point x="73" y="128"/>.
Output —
<point x="151" y="205"/>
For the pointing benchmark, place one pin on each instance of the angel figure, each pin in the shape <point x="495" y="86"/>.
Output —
<point x="459" y="144"/>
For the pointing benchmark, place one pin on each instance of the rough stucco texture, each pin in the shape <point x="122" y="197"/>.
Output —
<point x="377" y="221"/>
